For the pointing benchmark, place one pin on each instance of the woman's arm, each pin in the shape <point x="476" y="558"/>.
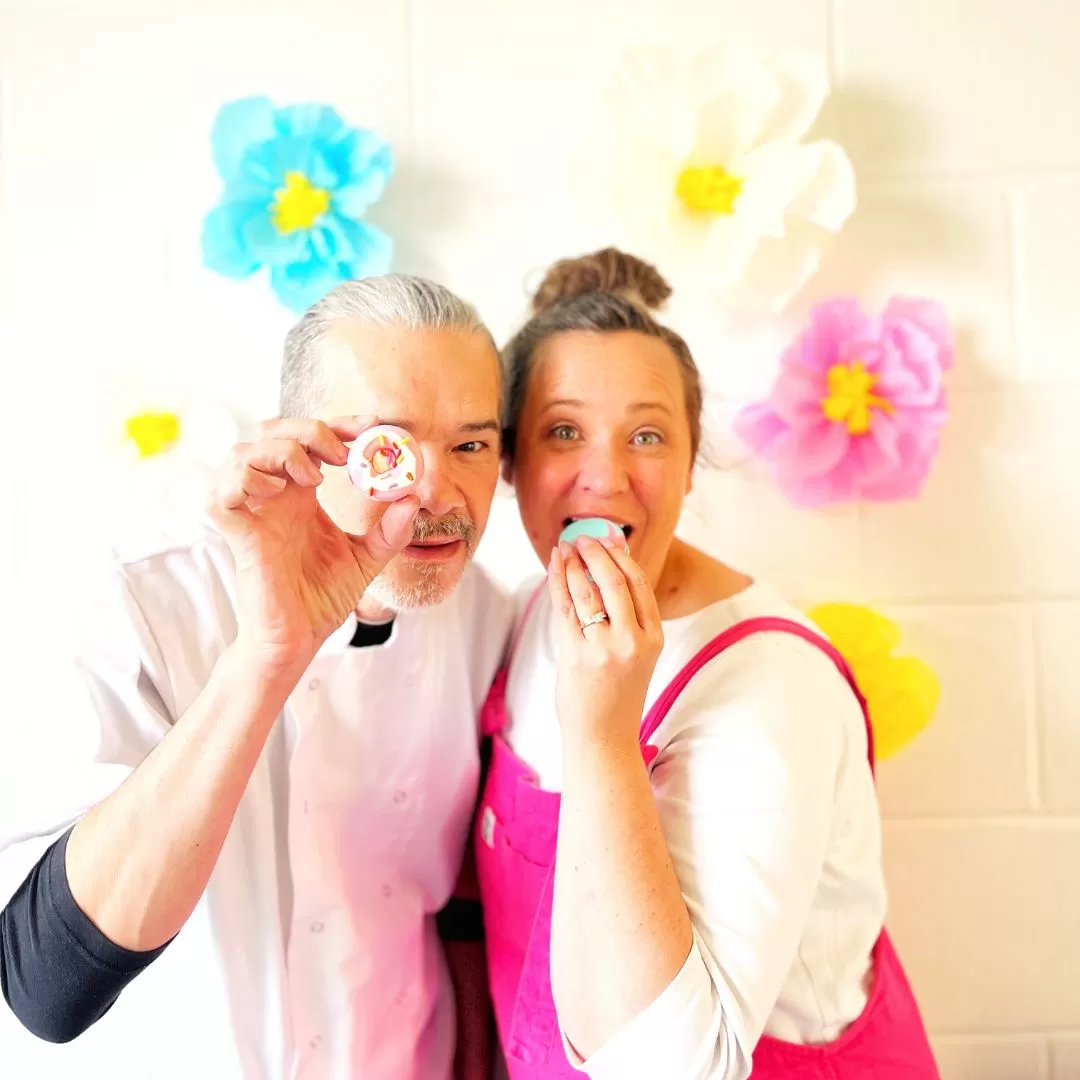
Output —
<point x="680" y="904"/>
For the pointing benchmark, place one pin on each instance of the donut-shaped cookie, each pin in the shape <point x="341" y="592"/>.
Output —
<point x="385" y="463"/>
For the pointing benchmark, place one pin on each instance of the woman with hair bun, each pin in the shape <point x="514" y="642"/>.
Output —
<point x="678" y="840"/>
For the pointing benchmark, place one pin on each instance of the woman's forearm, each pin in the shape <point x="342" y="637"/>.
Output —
<point x="620" y="928"/>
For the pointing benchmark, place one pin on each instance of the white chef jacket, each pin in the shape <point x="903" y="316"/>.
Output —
<point x="772" y="823"/>
<point x="313" y="952"/>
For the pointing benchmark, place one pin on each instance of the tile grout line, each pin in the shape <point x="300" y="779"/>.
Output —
<point x="410" y="62"/>
<point x="1016" y="209"/>
<point x="1021" y="819"/>
<point x="1035" y="719"/>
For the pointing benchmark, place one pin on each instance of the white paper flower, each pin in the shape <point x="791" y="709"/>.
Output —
<point x="703" y="170"/>
<point x="158" y="455"/>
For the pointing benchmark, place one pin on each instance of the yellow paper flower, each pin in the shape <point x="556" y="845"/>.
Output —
<point x="901" y="692"/>
<point x="153" y="432"/>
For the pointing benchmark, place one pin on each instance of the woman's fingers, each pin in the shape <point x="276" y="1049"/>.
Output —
<point x="610" y="581"/>
<point x="587" y="599"/>
<point x="567" y="624"/>
<point x="641" y="592"/>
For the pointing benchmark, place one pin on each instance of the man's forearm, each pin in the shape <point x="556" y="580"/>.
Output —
<point x="138" y="863"/>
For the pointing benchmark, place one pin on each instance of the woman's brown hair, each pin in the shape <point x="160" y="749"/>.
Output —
<point x="606" y="292"/>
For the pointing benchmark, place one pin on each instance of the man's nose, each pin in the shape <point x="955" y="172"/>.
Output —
<point x="437" y="491"/>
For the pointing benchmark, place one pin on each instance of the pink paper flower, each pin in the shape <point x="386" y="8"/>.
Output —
<point x="859" y="404"/>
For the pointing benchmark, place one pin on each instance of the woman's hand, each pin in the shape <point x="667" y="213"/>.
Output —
<point x="603" y="666"/>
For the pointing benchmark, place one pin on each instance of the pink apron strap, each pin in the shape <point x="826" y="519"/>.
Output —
<point x="493" y="711"/>
<point x="732" y="636"/>
<point x="515" y="638"/>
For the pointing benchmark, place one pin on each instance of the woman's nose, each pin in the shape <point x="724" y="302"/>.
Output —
<point x="604" y="471"/>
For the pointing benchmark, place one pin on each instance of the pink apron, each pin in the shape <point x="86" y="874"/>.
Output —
<point x="515" y="836"/>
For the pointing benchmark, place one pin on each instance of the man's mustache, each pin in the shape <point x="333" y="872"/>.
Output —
<point x="454" y="526"/>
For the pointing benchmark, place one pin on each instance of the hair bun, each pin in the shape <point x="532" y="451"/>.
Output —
<point x="609" y="270"/>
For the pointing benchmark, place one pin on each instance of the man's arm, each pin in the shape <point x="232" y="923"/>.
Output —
<point x="138" y="863"/>
<point x="58" y="972"/>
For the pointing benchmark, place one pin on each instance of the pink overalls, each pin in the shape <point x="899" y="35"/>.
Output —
<point x="515" y="837"/>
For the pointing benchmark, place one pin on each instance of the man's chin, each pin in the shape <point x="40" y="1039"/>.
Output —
<point x="412" y="583"/>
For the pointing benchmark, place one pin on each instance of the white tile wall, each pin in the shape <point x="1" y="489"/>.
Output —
<point x="1057" y="632"/>
<point x="1065" y="1058"/>
<point x="963" y="119"/>
<point x="992" y="1058"/>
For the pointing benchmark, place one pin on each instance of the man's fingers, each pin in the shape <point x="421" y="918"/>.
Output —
<point x="325" y="439"/>
<point x="246" y="483"/>
<point x="390" y="529"/>
<point x="281" y="457"/>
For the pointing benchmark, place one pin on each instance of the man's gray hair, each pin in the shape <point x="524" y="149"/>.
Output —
<point x="397" y="300"/>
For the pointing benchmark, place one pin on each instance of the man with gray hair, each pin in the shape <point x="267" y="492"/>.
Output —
<point x="282" y="735"/>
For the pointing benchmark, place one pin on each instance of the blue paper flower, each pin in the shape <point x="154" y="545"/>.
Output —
<point x="297" y="181"/>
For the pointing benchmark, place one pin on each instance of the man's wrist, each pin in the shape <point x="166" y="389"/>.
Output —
<point x="269" y="672"/>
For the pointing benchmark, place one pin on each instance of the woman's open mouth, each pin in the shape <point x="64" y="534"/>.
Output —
<point x="627" y="529"/>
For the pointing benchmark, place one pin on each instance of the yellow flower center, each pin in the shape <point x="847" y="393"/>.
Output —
<point x="850" y="399"/>
<point x="299" y="204"/>
<point x="153" y="432"/>
<point x="708" y="189"/>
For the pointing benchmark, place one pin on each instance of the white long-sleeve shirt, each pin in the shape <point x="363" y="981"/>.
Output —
<point x="313" y="953"/>
<point x="768" y="806"/>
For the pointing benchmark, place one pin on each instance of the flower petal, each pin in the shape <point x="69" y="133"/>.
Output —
<point x="798" y="394"/>
<point x="778" y="270"/>
<point x="320" y="122"/>
<point x="772" y="179"/>
<point x="906" y="480"/>
<point x="833" y="325"/>
<point x="827" y="185"/>
<point x="817" y="449"/>
<point x="268" y="162"/>
<point x="371" y="163"/>
<point x="857" y="632"/>
<point x="729" y="245"/>
<point x="759" y="427"/>
<point x="730" y="122"/>
<point x="372" y="249"/>
<point x="298" y="285"/>
<point x="803" y="84"/>
<point x="929" y="316"/>
<point x="224" y="247"/>
<point x="238" y="126"/>
<point x="261" y="237"/>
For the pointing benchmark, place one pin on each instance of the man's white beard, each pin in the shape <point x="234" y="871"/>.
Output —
<point x="427" y="585"/>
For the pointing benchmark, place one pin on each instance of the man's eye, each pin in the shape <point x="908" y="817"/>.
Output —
<point x="473" y="447"/>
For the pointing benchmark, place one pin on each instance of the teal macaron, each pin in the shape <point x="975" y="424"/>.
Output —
<point x="596" y="527"/>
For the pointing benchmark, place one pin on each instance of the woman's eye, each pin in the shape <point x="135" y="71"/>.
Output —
<point x="563" y="432"/>
<point x="648" y="438"/>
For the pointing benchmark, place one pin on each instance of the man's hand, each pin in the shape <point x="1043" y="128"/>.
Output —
<point x="298" y="575"/>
